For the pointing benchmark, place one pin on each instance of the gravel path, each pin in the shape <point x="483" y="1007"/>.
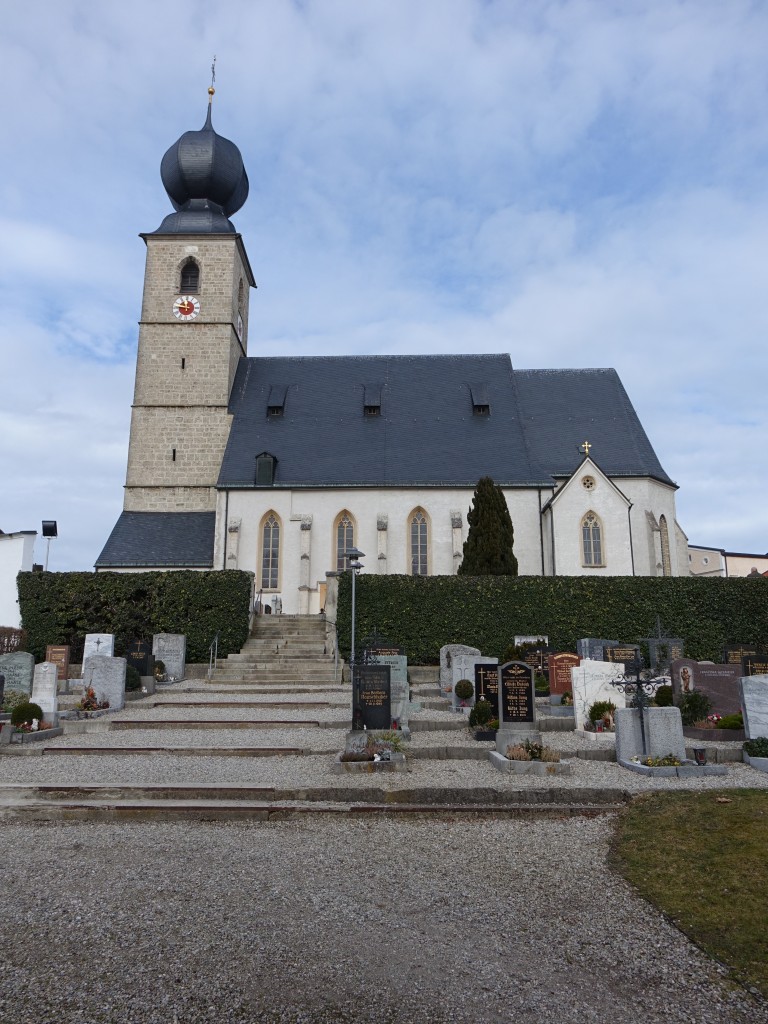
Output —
<point x="312" y="922"/>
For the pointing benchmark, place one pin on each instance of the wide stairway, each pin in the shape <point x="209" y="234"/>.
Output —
<point x="284" y="653"/>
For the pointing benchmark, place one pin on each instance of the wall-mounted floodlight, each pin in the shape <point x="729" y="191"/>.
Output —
<point x="50" y="530"/>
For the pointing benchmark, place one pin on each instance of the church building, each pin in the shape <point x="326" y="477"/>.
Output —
<point x="279" y="465"/>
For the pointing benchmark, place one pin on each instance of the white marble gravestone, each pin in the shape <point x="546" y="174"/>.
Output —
<point x="447" y="655"/>
<point x="45" y="685"/>
<point x="398" y="684"/>
<point x="663" y="733"/>
<point x="107" y="677"/>
<point x="754" y="705"/>
<point x="171" y="649"/>
<point x="97" y="643"/>
<point x="590" y="681"/>
<point x="18" y="669"/>
<point x="463" y="667"/>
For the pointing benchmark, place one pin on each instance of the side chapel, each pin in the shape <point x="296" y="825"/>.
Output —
<point x="278" y="465"/>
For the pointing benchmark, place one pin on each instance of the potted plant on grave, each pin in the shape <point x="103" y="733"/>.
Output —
<point x="600" y="716"/>
<point x="24" y="717"/>
<point x="464" y="690"/>
<point x="530" y="751"/>
<point x="90" y="702"/>
<point x="483" y="720"/>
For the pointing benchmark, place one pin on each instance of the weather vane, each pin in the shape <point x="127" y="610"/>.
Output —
<point x="211" y="90"/>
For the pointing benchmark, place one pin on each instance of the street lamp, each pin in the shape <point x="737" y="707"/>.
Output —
<point x="50" y="529"/>
<point x="352" y="556"/>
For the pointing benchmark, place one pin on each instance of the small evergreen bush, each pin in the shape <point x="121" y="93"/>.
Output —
<point x="464" y="689"/>
<point x="600" y="708"/>
<point x="481" y="714"/>
<point x="731" y="721"/>
<point x="694" y="706"/>
<point x="664" y="698"/>
<point x="757" y="747"/>
<point x="24" y="713"/>
<point x="132" y="678"/>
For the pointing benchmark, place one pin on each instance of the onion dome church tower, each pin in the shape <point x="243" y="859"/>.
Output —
<point x="192" y="333"/>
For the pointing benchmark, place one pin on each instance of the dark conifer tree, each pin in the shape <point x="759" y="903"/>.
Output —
<point x="488" y="547"/>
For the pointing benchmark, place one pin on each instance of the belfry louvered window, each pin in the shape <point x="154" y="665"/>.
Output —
<point x="190" y="277"/>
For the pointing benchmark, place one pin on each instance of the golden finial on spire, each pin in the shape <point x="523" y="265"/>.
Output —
<point x="585" y="447"/>
<point x="211" y="90"/>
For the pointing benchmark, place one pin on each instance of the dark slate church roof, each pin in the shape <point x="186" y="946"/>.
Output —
<point x="160" y="539"/>
<point x="427" y="432"/>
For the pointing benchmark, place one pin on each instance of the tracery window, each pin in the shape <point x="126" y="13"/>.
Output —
<point x="345" y="538"/>
<point x="419" y="543"/>
<point x="592" y="540"/>
<point x="270" y="553"/>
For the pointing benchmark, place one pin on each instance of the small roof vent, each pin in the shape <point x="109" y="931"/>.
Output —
<point x="372" y="400"/>
<point x="276" y="400"/>
<point x="481" y="405"/>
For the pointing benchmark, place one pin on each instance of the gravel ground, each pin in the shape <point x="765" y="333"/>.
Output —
<point x="313" y="922"/>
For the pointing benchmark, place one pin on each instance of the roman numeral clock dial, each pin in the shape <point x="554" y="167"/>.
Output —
<point x="186" y="307"/>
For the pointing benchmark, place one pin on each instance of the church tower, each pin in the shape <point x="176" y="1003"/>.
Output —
<point x="193" y="329"/>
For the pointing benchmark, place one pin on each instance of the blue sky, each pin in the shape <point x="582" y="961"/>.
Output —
<point x="575" y="183"/>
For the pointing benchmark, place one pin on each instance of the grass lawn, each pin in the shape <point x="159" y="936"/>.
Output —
<point x="702" y="859"/>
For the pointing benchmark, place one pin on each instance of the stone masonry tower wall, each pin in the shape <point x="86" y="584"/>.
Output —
<point x="184" y="372"/>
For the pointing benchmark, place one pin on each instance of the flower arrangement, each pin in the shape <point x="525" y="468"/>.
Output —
<point x="90" y="702"/>
<point x="667" y="761"/>
<point x="528" y="751"/>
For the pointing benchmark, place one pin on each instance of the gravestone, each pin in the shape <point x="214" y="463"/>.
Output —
<point x="754" y="705"/>
<point x="107" y="677"/>
<point x="45" y="687"/>
<point x="663" y="728"/>
<point x="447" y="654"/>
<point x="487" y="682"/>
<point x="754" y="665"/>
<point x="625" y="654"/>
<point x="463" y="667"/>
<point x="590" y="682"/>
<point x="101" y="644"/>
<point x="591" y="648"/>
<point x="734" y="654"/>
<point x="371" y="708"/>
<point x="517" y="707"/>
<point x="560" y="666"/>
<point x="537" y="657"/>
<point x="171" y="649"/>
<point x="538" y="640"/>
<point x="718" y="682"/>
<point x="139" y="655"/>
<point x="663" y="650"/>
<point x="59" y="655"/>
<point x="381" y="652"/>
<point x="18" y="669"/>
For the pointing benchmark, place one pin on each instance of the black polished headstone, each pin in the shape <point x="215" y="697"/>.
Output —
<point x="487" y="684"/>
<point x="371" y="701"/>
<point x="755" y="665"/>
<point x="734" y="654"/>
<point x="516" y="693"/>
<point x="139" y="655"/>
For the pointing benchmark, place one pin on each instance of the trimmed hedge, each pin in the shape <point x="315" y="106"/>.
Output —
<point x="60" y="608"/>
<point x="422" y="613"/>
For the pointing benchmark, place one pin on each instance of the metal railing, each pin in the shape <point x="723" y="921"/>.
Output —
<point x="213" y="655"/>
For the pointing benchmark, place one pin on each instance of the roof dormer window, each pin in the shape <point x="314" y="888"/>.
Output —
<point x="481" y="405"/>
<point x="276" y="400"/>
<point x="372" y="400"/>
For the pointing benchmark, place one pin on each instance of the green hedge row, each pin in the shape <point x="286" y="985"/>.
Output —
<point x="423" y="613"/>
<point x="60" y="608"/>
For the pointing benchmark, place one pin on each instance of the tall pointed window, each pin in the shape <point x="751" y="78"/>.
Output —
<point x="190" y="277"/>
<point x="419" y="543"/>
<point x="270" y="553"/>
<point x="592" y="540"/>
<point x="666" y="561"/>
<point x="345" y="538"/>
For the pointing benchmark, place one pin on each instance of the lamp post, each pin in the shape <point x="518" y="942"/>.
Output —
<point x="50" y="529"/>
<point x="352" y="555"/>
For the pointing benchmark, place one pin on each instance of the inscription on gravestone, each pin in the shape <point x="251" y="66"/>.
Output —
<point x="627" y="654"/>
<point x="59" y="655"/>
<point x="139" y="655"/>
<point x="100" y="644"/>
<point x="171" y="649"/>
<point x="755" y="665"/>
<point x="487" y="683"/>
<point x="560" y="666"/>
<point x="373" y="708"/>
<point x="18" y="669"/>
<point x="591" y="648"/>
<point x="734" y="654"/>
<point x="516" y="692"/>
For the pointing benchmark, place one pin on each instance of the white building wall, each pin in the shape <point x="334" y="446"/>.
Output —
<point x="657" y="498"/>
<point x="16" y="555"/>
<point x="571" y="504"/>
<point x="369" y="508"/>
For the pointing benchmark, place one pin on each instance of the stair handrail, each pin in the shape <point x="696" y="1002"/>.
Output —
<point x="213" y="655"/>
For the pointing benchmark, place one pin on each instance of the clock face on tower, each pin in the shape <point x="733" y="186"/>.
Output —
<point x="186" y="307"/>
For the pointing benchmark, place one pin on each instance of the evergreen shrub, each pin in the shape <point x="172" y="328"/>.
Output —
<point x="694" y="707"/>
<point x="422" y="613"/>
<point x="664" y="697"/>
<point x="61" y="607"/>
<point x="132" y="678"/>
<point x="25" y="713"/>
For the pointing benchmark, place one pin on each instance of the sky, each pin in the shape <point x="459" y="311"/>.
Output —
<point x="578" y="183"/>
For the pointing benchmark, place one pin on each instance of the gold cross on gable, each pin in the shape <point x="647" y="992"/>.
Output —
<point x="585" y="447"/>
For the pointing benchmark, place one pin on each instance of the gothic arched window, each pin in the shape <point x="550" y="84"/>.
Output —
<point x="592" y="540"/>
<point x="270" y="552"/>
<point x="666" y="561"/>
<point x="419" y="543"/>
<point x="345" y="538"/>
<point x="190" y="277"/>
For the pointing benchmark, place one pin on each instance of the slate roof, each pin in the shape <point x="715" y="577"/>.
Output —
<point x="427" y="433"/>
<point x="160" y="539"/>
